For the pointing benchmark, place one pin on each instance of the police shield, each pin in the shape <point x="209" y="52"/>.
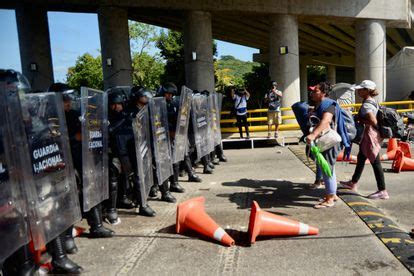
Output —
<point x="94" y="119"/>
<point x="181" y="137"/>
<point x="13" y="152"/>
<point x="200" y="118"/>
<point x="218" y="100"/>
<point x="55" y="202"/>
<point x="161" y="138"/>
<point x="141" y="126"/>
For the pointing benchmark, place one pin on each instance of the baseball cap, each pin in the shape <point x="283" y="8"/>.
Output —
<point x="368" y="84"/>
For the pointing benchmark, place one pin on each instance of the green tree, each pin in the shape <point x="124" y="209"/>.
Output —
<point x="257" y="83"/>
<point x="147" y="70"/>
<point x="86" y="72"/>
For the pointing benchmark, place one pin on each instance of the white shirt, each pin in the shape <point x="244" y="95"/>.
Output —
<point x="241" y="104"/>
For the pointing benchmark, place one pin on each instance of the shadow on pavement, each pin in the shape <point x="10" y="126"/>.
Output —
<point x="272" y="193"/>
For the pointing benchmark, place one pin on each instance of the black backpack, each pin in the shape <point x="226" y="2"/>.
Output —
<point x="390" y="123"/>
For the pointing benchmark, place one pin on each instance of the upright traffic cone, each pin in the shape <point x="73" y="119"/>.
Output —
<point x="263" y="223"/>
<point x="402" y="163"/>
<point x="191" y="215"/>
<point x="341" y="157"/>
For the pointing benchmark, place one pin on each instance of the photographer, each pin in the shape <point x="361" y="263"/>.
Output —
<point x="240" y="98"/>
<point x="274" y="117"/>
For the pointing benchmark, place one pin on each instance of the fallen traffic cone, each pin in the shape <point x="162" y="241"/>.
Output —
<point x="341" y="157"/>
<point x="77" y="231"/>
<point x="191" y="215"/>
<point x="392" y="148"/>
<point x="402" y="163"/>
<point x="263" y="223"/>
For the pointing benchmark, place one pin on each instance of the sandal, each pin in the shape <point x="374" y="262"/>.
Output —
<point x="336" y="198"/>
<point x="324" y="204"/>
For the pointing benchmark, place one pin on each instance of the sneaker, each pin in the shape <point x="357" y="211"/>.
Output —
<point x="316" y="185"/>
<point x="379" y="195"/>
<point x="349" y="185"/>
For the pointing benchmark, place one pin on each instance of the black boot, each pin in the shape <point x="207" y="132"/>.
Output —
<point x="174" y="185"/>
<point x="153" y="191"/>
<point x="70" y="246"/>
<point x="220" y="153"/>
<point x="207" y="170"/>
<point x="194" y="178"/>
<point x="124" y="202"/>
<point x="165" y="193"/>
<point x="21" y="263"/>
<point x="146" y="210"/>
<point x="110" y="213"/>
<point x="60" y="262"/>
<point x="97" y="230"/>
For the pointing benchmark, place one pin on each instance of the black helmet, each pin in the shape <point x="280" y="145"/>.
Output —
<point x="205" y="92"/>
<point x="68" y="93"/>
<point x="13" y="77"/>
<point x="138" y="92"/>
<point x="116" y="98"/>
<point x="169" y="87"/>
<point x="273" y="83"/>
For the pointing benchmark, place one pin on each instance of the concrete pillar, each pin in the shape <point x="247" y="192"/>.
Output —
<point x="331" y="74"/>
<point x="370" y="53"/>
<point x="115" y="47"/>
<point x="198" y="51"/>
<point x="303" y="82"/>
<point x="285" y="68"/>
<point x="34" y="43"/>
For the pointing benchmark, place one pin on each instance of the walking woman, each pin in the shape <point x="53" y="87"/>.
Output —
<point x="371" y="141"/>
<point x="327" y="111"/>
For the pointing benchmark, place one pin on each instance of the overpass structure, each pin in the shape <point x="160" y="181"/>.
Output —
<point x="290" y="34"/>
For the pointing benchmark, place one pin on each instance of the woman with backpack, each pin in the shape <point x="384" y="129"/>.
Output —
<point x="370" y="145"/>
<point x="329" y="115"/>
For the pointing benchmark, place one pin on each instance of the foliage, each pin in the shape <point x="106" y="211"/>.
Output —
<point x="257" y="83"/>
<point x="230" y="71"/>
<point x="316" y="74"/>
<point x="147" y="70"/>
<point x="86" y="72"/>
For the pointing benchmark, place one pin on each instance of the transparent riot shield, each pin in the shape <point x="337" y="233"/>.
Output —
<point x="141" y="126"/>
<point x="55" y="201"/>
<point x="13" y="150"/>
<point x="211" y="122"/>
<point x="181" y="133"/>
<point x="161" y="138"/>
<point x="94" y="119"/>
<point x="218" y="97"/>
<point x="200" y="118"/>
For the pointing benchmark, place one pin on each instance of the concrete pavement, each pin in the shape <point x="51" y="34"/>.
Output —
<point x="277" y="180"/>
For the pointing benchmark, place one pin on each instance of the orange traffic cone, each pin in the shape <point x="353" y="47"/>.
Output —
<point x="191" y="215"/>
<point x="77" y="231"/>
<point x="392" y="148"/>
<point x="402" y="163"/>
<point x="268" y="224"/>
<point x="341" y="157"/>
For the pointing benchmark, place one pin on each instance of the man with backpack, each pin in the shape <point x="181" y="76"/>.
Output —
<point x="240" y="98"/>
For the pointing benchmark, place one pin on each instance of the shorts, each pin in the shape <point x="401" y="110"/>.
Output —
<point x="274" y="117"/>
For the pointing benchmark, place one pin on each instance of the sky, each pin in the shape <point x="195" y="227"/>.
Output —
<point x="72" y="35"/>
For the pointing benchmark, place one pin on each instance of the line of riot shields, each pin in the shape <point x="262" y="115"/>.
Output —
<point x="66" y="155"/>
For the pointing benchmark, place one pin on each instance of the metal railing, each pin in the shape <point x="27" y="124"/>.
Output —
<point x="259" y="123"/>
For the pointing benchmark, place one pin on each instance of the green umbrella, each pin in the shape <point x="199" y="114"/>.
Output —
<point x="320" y="160"/>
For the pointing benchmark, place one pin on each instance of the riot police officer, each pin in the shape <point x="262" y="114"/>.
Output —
<point x="139" y="99"/>
<point x="94" y="215"/>
<point x="123" y="147"/>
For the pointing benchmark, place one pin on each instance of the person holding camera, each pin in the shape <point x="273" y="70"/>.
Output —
<point x="274" y="117"/>
<point x="240" y="98"/>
